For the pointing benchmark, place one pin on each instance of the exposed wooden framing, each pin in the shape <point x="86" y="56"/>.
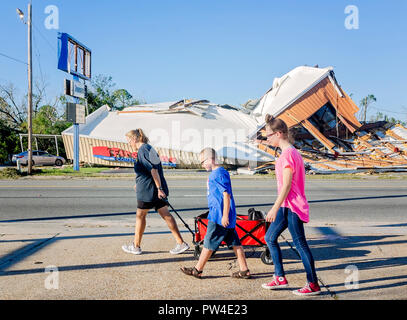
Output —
<point x="265" y="148"/>
<point x="324" y="166"/>
<point x="344" y="164"/>
<point x="317" y="134"/>
<point x="317" y="97"/>
<point x="340" y="116"/>
<point x="312" y="101"/>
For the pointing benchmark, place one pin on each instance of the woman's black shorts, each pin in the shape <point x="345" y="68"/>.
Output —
<point x="156" y="204"/>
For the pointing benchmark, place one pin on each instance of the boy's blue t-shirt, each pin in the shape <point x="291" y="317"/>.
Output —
<point x="219" y="182"/>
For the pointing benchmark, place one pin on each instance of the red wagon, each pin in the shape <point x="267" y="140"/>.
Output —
<point x="250" y="228"/>
<point x="251" y="233"/>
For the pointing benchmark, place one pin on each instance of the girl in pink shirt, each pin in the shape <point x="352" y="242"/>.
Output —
<point x="290" y="210"/>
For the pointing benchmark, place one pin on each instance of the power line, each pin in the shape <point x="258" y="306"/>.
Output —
<point x="16" y="60"/>
<point x="384" y="110"/>
<point x="46" y="40"/>
<point x="37" y="53"/>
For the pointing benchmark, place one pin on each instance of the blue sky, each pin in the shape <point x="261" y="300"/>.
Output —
<point x="225" y="51"/>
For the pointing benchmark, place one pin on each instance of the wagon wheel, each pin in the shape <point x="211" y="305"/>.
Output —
<point x="266" y="257"/>
<point x="197" y="252"/>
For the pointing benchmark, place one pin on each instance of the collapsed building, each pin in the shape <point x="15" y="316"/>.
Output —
<point x="321" y="117"/>
<point x="178" y="130"/>
<point x="317" y="110"/>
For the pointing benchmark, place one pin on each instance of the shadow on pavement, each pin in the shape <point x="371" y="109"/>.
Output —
<point x="374" y="287"/>
<point x="101" y="265"/>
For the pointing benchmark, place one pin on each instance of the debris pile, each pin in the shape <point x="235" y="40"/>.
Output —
<point x="377" y="147"/>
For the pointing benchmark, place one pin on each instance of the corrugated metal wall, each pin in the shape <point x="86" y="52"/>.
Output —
<point x="184" y="159"/>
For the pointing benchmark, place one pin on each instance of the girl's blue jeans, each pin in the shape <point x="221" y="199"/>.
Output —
<point x="286" y="218"/>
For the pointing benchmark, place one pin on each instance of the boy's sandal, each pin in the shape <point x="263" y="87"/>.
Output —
<point x="192" y="272"/>
<point x="241" y="274"/>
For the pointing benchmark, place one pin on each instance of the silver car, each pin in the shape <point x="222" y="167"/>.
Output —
<point x="41" y="158"/>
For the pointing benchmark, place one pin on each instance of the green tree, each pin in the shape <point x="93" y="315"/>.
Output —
<point x="46" y="119"/>
<point x="8" y="141"/>
<point x="123" y="99"/>
<point x="103" y="93"/>
<point x="43" y="121"/>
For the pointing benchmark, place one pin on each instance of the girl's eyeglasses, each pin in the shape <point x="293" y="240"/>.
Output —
<point x="271" y="134"/>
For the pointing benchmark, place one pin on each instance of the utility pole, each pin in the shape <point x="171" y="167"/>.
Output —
<point x="30" y="78"/>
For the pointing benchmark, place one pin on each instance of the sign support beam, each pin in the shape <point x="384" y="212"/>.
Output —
<point x="76" y="137"/>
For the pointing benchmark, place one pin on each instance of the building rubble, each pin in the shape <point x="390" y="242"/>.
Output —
<point x="321" y="118"/>
<point x="376" y="147"/>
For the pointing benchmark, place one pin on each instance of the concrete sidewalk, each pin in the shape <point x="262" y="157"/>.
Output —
<point x="352" y="263"/>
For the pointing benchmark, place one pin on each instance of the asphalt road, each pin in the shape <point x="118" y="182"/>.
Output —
<point x="363" y="202"/>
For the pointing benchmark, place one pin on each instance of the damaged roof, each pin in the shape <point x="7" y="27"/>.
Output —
<point x="181" y="127"/>
<point x="288" y="88"/>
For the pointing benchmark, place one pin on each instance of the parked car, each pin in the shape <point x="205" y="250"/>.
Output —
<point x="18" y="156"/>
<point x="39" y="158"/>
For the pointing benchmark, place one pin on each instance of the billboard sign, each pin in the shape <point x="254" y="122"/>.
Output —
<point x="74" y="57"/>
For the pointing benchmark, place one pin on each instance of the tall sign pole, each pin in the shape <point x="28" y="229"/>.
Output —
<point x="74" y="58"/>
<point x="76" y="136"/>
<point x="30" y="78"/>
<point x="75" y="113"/>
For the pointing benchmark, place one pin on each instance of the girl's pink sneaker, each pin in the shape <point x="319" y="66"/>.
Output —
<point x="277" y="282"/>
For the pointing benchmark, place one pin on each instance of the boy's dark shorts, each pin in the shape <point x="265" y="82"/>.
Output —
<point x="216" y="233"/>
<point x="156" y="204"/>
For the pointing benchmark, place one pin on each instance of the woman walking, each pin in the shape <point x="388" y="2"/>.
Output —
<point x="152" y="190"/>
<point x="290" y="210"/>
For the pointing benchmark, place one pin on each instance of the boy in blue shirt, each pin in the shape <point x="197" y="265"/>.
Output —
<point x="221" y="218"/>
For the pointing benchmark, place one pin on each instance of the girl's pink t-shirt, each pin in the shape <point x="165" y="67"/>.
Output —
<point x="296" y="200"/>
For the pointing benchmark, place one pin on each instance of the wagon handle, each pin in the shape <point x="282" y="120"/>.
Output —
<point x="185" y="224"/>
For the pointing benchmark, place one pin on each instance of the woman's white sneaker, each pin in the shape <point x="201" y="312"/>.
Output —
<point x="130" y="248"/>
<point x="180" y="248"/>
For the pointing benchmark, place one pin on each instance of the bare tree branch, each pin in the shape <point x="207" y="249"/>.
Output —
<point x="12" y="112"/>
